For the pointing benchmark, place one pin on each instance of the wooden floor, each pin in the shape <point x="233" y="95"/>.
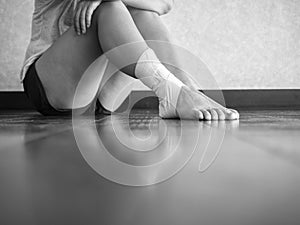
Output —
<point x="245" y="172"/>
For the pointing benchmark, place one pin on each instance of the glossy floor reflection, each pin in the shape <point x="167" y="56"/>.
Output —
<point x="245" y="172"/>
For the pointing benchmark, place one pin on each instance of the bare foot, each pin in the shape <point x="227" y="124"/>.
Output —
<point x="195" y="105"/>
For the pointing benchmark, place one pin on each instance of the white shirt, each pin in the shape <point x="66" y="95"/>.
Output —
<point x="51" y="18"/>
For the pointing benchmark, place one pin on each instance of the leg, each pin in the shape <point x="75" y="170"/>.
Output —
<point x="68" y="58"/>
<point x="152" y="28"/>
<point x="61" y="67"/>
<point x="116" y="28"/>
<point x="123" y="30"/>
<point x="112" y="26"/>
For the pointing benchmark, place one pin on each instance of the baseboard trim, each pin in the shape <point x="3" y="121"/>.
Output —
<point x="14" y="100"/>
<point x="239" y="99"/>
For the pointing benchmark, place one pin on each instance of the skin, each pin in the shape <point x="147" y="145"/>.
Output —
<point x="85" y="10"/>
<point x="97" y="30"/>
<point x="146" y="15"/>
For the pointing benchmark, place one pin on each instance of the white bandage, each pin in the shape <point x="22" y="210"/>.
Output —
<point x="157" y="77"/>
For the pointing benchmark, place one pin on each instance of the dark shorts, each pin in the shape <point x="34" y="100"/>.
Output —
<point x="35" y="92"/>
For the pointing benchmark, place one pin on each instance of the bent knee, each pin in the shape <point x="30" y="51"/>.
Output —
<point x="143" y="14"/>
<point x="108" y="6"/>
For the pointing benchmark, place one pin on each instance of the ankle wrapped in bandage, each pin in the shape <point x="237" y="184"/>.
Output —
<point x="164" y="84"/>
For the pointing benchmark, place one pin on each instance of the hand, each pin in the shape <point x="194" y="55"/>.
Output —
<point x="83" y="15"/>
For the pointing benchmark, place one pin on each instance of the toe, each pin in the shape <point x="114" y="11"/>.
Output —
<point x="237" y="115"/>
<point x="232" y="114"/>
<point x="206" y="114"/>
<point x="214" y="114"/>
<point x="221" y="114"/>
<point x="198" y="114"/>
<point x="201" y="116"/>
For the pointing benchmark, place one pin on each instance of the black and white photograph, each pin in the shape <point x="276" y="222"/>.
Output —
<point x="149" y="112"/>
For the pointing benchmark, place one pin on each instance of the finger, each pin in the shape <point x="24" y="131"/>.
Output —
<point x="89" y="13"/>
<point x="214" y="114"/>
<point x="82" y="19"/>
<point x="77" y="19"/>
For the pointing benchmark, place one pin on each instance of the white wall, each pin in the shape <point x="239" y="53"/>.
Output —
<point x="246" y="43"/>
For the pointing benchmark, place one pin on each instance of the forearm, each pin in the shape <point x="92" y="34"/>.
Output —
<point x="159" y="6"/>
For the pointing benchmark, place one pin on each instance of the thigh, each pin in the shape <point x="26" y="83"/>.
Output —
<point x="61" y="67"/>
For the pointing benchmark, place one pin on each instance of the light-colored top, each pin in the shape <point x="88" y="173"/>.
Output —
<point x="51" y="18"/>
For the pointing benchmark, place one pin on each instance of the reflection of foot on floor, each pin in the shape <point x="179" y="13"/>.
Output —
<point x="229" y="125"/>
